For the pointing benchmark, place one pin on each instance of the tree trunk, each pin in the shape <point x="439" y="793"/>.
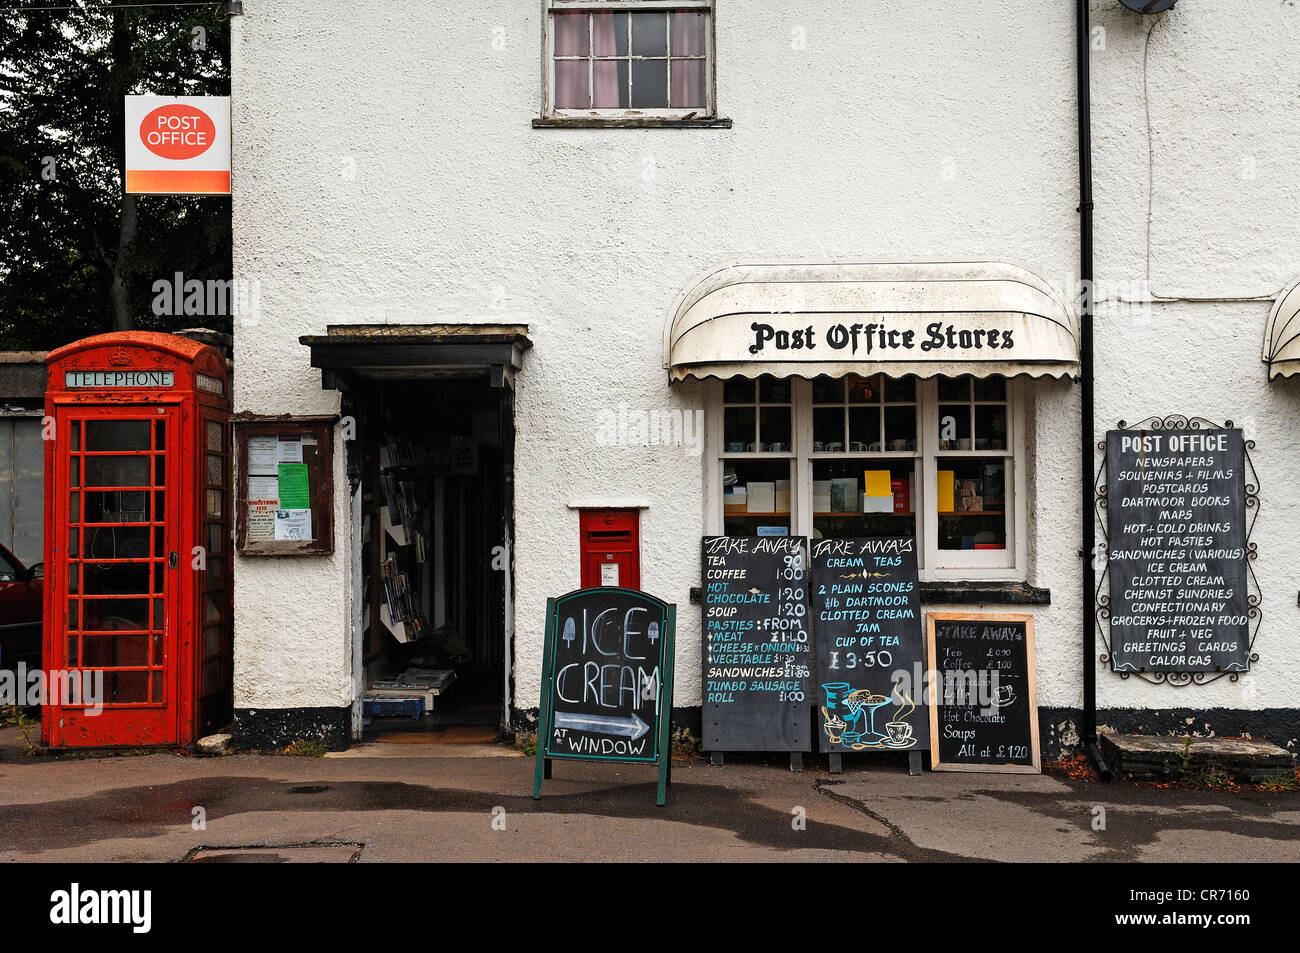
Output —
<point x="128" y="219"/>
<point x="120" y="292"/>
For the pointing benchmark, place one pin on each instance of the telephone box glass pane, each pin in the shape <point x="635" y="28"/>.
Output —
<point x="216" y="469"/>
<point x="108" y="615"/>
<point x="214" y="539"/>
<point x="117" y="471"/>
<point x="124" y="688"/>
<point x="214" y="436"/>
<point x="117" y="435"/>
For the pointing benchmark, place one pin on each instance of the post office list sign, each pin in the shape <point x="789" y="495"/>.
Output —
<point x="1177" y="514"/>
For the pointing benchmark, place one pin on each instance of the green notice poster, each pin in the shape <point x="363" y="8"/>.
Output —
<point x="293" y="487"/>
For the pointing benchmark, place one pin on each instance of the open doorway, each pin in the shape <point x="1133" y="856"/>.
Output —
<point x="436" y="489"/>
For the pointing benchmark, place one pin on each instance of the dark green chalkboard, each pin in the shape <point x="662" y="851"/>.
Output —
<point x="607" y="681"/>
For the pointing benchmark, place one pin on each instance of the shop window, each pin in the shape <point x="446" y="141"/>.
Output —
<point x="630" y="61"/>
<point x="876" y="456"/>
<point x="284" y="489"/>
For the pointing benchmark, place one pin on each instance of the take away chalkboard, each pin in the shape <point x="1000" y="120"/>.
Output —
<point x="607" y="681"/>
<point x="984" y="710"/>
<point x="756" y="644"/>
<point x="1176" y="510"/>
<point x="866" y="616"/>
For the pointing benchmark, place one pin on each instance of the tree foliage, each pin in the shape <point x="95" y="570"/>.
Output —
<point x="77" y="256"/>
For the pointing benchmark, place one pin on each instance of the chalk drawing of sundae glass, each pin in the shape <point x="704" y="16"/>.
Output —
<point x="862" y="731"/>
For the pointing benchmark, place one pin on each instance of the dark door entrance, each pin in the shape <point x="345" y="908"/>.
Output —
<point x="435" y="502"/>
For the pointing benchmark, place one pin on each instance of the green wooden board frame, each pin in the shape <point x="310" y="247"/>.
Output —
<point x="663" y="742"/>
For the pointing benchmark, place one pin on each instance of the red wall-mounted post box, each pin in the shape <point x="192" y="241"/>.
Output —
<point x="611" y="548"/>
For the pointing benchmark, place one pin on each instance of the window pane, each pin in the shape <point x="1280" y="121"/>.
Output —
<point x="756" y="497"/>
<point x="864" y="430"/>
<point x="774" y="429"/>
<point x="649" y="84"/>
<point x="957" y="388"/>
<point x="954" y="426"/>
<point x="828" y="429"/>
<point x="900" y="391"/>
<point x="117" y="471"/>
<point x="649" y="34"/>
<point x="688" y="34"/>
<point x="571" y="34"/>
<point x="214" y="436"/>
<point x="738" y="390"/>
<point x="971" y="502"/>
<point x="773" y="390"/>
<point x="991" y="388"/>
<point x="609" y="34"/>
<point x="841" y="507"/>
<point x="738" y="429"/>
<point x="571" y="85"/>
<point x="900" y="427"/>
<point x="863" y="389"/>
<point x="688" y="84"/>
<point x="990" y="427"/>
<point x="828" y="390"/>
<point x="117" y="435"/>
<point x="610" y="84"/>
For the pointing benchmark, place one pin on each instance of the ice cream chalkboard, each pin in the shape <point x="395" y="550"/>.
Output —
<point x="606" y="680"/>
<point x="1176" y="509"/>
<point x="756" y="643"/>
<point x="866" y="617"/>
<point x="983" y="707"/>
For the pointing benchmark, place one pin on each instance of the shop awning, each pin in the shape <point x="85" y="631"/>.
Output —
<point x="926" y="318"/>
<point x="1282" y="335"/>
<point x="352" y="353"/>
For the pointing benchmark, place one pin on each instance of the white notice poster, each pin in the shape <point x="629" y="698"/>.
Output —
<point x="289" y="450"/>
<point x="293" y="524"/>
<point x="264" y="488"/>
<point x="609" y="574"/>
<point x="261" y="457"/>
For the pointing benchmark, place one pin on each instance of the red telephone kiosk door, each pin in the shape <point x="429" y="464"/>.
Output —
<point x="118" y="573"/>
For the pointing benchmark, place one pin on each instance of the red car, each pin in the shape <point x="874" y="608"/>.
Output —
<point x="20" y="612"/>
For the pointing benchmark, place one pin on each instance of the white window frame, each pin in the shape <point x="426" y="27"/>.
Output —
<point x="1005" y="565"/>
<point x="708" y="111"/>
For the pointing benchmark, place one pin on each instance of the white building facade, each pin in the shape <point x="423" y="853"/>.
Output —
<point x="488" y="226"/>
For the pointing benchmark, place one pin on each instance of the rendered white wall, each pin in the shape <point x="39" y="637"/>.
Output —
<point x="386" y="171"/>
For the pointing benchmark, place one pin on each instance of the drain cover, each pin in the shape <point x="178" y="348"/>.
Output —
<point x="290" y="854"/>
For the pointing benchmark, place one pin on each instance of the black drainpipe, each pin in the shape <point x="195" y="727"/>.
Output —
<point x="1087" y="444"/>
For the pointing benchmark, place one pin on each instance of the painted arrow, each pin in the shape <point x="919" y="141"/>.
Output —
<point x="632" y="727"/>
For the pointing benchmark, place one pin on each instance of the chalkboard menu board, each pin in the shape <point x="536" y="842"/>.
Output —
<point x="607" y="682"/>
<point x="1176" y="509"/>
<point x="984" y="711"/>
<point x="756" y="645"/>
<point x="866" y="617"/>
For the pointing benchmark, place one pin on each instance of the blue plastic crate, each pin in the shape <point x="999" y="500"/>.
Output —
<point x="408" y="706"/>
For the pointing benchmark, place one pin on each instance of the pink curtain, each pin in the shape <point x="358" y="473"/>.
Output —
<point x="688" y="76"/>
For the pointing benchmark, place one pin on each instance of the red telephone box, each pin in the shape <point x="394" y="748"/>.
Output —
<point x="137" y="542"/>
<point x="611" y="549"/>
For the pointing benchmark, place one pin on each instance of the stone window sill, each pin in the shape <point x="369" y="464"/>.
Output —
<point x="983" y="593"/>
<point x="627" y="122"/>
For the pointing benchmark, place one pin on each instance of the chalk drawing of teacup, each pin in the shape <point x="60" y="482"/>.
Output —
<point x="900" y="732"/>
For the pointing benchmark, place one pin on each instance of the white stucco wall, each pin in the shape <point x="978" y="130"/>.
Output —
<point x="386" y="171"/>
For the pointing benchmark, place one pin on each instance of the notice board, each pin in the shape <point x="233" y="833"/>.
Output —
<point x="756" y="644"/>
<point x="1176" y="511"/>
<point x="870" y="646"/>
<point x="984" y="709"/>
